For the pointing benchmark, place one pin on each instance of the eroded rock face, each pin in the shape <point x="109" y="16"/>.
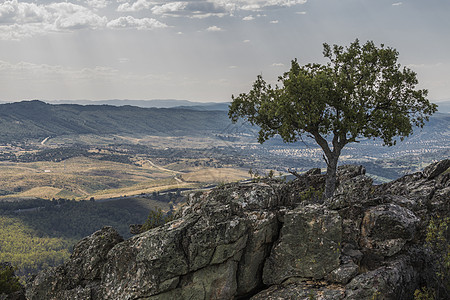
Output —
<point x="386" y="228"/>
<point x="268" y="240"/>
<point x="396" y="280"/>
<point x="301" y="291"/>
<point x="78" y="277"/>
<point x="308" y="247"/>
<point x="436" y="169"/>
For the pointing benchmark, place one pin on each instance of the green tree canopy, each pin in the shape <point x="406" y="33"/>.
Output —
<point x="361" y="92"/>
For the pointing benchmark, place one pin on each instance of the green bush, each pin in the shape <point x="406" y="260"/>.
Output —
<point x="311" y="194"/>
<point x="437" y="243"/>
<point x="156" y="218"/>
<point x="9" y="282"/>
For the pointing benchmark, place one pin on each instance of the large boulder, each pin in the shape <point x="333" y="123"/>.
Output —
<point x="306" y="290"/>
<point x="76" y="279"/>
<point x="396" y="280"/>
<point x="436" y="169"/>
<point x="346" y="172"/>
<point x="386" y="228"/>
<point x="308" y="247"/>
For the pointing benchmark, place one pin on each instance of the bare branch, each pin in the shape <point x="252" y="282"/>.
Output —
<point x="294" y="173"/>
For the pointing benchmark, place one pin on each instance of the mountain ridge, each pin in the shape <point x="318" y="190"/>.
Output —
<point x="37" y="119"/>
<point x="443" y="104"/>
<point x="153" y="103"/>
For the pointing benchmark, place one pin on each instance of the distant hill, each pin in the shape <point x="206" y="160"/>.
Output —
<point x="36" y="119"/>
<point x="444" y="106"/>
<point x="155" y="103"/>
<point x="208" y="106"/>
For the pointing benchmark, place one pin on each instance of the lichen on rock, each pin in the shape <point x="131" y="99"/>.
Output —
<point x="268" y="240"/>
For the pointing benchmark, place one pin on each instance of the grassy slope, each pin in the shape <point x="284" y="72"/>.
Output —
<point x="82" y="178"/>
<point x="74" y="178"/>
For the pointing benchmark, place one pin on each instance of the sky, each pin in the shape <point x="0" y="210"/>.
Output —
<point x="202" y="50"/>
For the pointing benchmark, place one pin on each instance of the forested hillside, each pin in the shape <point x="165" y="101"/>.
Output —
<point x="36" y="119"/>
<point x="35" y="234"/>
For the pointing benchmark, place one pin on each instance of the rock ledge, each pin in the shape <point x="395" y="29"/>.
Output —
<point x="268" y="240"/>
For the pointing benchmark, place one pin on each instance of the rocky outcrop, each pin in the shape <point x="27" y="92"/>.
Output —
<point x="268" y="240"/>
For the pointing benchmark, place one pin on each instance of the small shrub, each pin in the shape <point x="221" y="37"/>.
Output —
<point x="311" y="194"/>
<point x="424" y="294"/>
<point x="437" y="242"/>
<point x="156" y="218"/>
<point x="376" y="295"/>
<point x="256" y="176"/>
<point x="9" y="282"/>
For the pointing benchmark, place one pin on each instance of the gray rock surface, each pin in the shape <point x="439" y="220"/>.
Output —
<point x="268" y="240"/>
<point x="436" y="169"/>
<point x="386" y="228"/>
<point x="308" y="247"/>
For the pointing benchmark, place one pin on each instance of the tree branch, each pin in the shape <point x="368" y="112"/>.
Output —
<point x="294" y="173"/>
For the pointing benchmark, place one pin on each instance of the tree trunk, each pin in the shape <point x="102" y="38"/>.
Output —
<point x="331" y="158"/>
<point x="330" y="183"/>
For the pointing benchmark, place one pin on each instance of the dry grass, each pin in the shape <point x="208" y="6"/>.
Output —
<point x="46" y="192"/>
<point x="76" y="177"/>
<point x="215" y="175"/>
<point x="82" y="178"/>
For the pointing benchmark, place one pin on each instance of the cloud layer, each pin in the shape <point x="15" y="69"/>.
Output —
<point x="19" y="20"/>
<point x="204" y="50"/>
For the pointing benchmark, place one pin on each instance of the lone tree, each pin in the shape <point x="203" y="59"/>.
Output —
<point x="361" y="92"/>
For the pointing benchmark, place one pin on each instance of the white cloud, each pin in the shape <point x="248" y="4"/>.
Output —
<point x="251" y="7"/>
<point x="246" y="41"/>
<point x="397" y="3"/>
<point x="200" y="15"/>
<point x="13" y="11"/>
<point x="274" y="22"/>
<point x="98" y="3"/>
<point x="140" y="24"/>
<point x="71" y="16"/>
<point x="136" y="6"/>
<point x="277" y="65"/>
<point x="257" y="5"/>
<point x="21" y="19"/>
<point x="214" y="28"/>
<point x="202" y="8"/>
<point x="192" y="9"/>
<point x="17" y="32"/>
<point x="169" y="8"/>
<point x="301" y="12"/>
